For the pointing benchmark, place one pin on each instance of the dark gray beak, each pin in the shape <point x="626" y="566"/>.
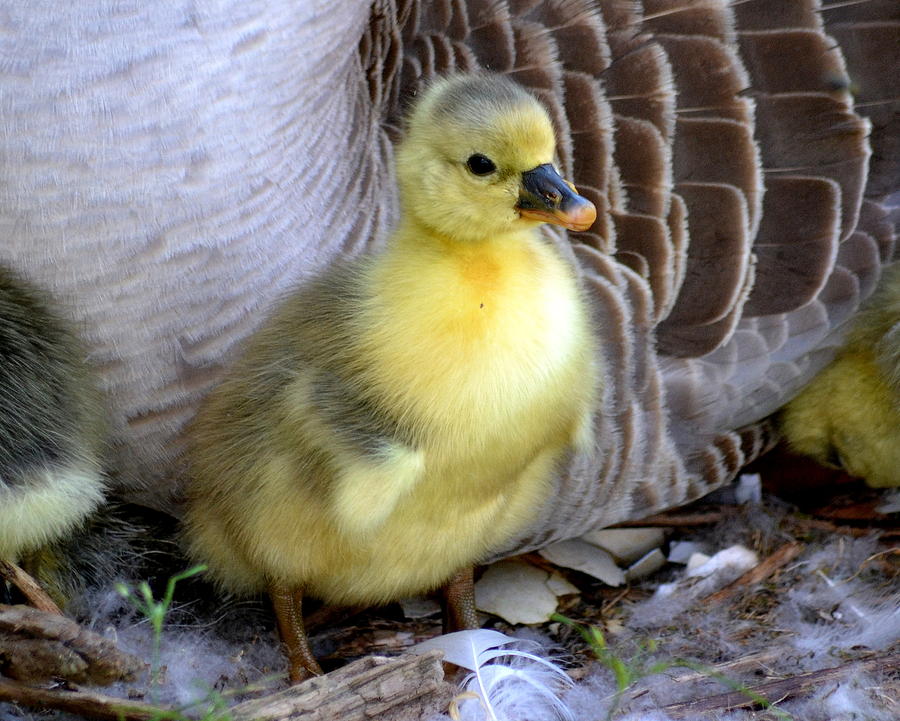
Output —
<point x="547" y="197"/>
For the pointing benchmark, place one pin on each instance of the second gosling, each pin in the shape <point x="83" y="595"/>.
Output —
<point x="848" y="417"/>
<point x="52" y="426"/>
<point x="400" y="418"/>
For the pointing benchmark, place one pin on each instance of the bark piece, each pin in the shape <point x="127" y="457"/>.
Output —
<point x="365" y="689"/>
<point x="39" y="645"/>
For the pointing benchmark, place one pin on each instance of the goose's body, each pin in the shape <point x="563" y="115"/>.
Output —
<point x="174" y="171"/>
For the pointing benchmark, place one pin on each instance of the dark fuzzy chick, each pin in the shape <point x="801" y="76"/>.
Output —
<point x="52" y="428"/>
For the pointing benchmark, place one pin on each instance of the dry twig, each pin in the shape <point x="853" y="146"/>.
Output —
<point x="34" y="594"/>
<point x="743" y="663"/>
<point x="818" y="524"/>
<point x="676" y="520"/>
<point x="775" y="691"/>
<point x="89" y="705"/>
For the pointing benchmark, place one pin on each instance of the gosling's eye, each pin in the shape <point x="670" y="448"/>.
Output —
<point x="480" y="164"/>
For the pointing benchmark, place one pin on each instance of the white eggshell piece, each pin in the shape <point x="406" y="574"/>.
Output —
<point x="681" y="551"/>
<point x="626" y="544"/>
<point x="587" y="558"/>
<point x="646" y="564"/>
<point x="515" y="591"/>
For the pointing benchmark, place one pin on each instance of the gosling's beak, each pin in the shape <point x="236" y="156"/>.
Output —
<point x="547" y="197"/>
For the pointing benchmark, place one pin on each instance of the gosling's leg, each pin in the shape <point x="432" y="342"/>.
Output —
<point x="459" y="602"/>
<point x="288" y="605"/>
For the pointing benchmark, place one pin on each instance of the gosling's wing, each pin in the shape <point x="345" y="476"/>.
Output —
<point x="299" y="377"/>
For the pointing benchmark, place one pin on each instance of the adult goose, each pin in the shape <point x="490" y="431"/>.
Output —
<point x="173" y="169"/>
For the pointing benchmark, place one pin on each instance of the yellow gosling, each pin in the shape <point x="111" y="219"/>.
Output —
<point x="849" y="415"/>
<point x="401" y="416"/>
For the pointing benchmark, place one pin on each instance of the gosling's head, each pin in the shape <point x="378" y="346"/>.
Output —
<point x="477" y="162"/>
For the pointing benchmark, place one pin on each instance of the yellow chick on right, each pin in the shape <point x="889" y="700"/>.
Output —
<point x="849" y="415"/>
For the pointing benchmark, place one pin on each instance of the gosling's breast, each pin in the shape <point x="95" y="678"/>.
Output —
<point x="481" y="332"/>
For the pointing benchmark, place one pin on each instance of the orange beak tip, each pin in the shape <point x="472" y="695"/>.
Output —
<point x="579" y="219"/>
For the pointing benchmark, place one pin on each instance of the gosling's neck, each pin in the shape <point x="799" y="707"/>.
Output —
<point x="414" y="234"/>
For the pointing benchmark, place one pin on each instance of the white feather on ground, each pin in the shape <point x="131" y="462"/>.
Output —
<point x="506" y="683"/>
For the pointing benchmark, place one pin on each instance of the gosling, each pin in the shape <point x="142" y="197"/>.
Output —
<point x="399" y="418"/>
<point x="848" y="417"/>
<point x="52" y="427"/>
